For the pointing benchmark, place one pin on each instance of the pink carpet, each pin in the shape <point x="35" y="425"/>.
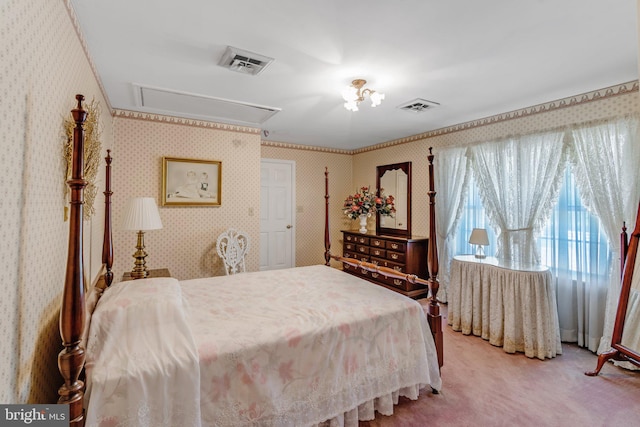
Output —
<point x="484" y="386"/>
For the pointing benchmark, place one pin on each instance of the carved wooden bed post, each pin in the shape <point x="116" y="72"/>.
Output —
<point x="72" y="312"/>
<point x="107" y="246"/>
<point x="327" y="238"/>
<point x="433" y="312"/>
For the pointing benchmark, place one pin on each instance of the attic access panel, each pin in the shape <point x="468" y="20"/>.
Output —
<point x="203" y="107"/>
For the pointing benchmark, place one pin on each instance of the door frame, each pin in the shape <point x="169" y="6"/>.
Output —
<point x="292" y="163"/>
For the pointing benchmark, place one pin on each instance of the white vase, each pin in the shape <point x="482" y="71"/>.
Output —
<point x="363" y="223"/>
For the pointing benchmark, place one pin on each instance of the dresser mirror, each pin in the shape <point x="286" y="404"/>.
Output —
<point x="395" y="180"/>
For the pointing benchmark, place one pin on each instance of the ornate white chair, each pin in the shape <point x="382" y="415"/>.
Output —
<point x="232" y="246"/>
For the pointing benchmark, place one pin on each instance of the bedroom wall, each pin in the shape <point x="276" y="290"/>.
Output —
<point x="42" y="67"/>
<point x="186" y="243"/>
<point x="310" y="201"/>
<point x="609" y="102"/>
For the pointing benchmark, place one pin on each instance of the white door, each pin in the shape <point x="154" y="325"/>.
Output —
<point x="277" y="217"/>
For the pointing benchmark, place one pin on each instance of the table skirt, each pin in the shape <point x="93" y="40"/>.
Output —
<point x="513" y="309"/>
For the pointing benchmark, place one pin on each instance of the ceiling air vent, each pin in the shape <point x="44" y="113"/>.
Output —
<point x="418" y="105"/>
<point x="244" y="61"/>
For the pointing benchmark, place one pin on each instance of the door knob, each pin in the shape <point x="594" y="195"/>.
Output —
<point x="289" y="226"/>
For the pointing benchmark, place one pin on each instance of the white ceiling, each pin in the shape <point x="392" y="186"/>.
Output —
<point x="474" y="58"/>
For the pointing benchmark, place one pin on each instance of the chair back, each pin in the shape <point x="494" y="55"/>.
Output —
<point x="232" y="246"/>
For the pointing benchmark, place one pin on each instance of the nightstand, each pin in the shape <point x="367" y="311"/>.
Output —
<point x="158" y="272"/>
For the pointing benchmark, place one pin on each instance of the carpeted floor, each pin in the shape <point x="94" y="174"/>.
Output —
<point x="484" y="386"/>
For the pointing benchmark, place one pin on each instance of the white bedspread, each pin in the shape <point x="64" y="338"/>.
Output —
<point x="281" y="348"/>
<point x="142" y="363"/>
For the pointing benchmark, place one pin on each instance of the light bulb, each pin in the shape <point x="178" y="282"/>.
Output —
<point x="376" y="99"/>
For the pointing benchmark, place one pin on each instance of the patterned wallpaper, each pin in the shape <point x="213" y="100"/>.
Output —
<point x="186" y="243"/>
<point x="42" y="67"/>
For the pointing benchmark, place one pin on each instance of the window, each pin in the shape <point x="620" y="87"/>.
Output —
<point x="573" y="242"/>
<point x="472" y="217"/>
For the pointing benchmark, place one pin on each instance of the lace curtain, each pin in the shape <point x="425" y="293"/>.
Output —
<point x="451" y="178"/>
<point x="605" y="159"/>
<point x="574" y="245"/>
<point x="473" y="216"/>
<point x="518" y="180"/>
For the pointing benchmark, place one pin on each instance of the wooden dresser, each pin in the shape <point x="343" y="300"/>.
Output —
<point x="407" y="255"/>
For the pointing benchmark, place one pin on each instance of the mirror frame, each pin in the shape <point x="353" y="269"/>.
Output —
<point x="406" y="167"/>
<point x="618" y="350"/>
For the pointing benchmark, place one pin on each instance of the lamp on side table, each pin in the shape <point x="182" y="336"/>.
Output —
<point x="479" y="238"/>
<point x="141" y="214"/>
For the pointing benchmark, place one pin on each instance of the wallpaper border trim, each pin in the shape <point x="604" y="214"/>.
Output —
<point x="136" y="115"/>
<point x="288" y="145"/>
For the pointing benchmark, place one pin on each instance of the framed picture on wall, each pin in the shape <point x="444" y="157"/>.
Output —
<point x="191" y="182"/>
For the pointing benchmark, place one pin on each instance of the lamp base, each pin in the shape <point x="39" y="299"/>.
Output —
<point x="480" y="252"/>
<point x="140" y="269"/>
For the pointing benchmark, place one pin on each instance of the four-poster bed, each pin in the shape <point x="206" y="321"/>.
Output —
<point x="300" y="346"/>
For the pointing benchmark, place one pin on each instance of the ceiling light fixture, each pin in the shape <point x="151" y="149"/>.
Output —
<point x="354" y="95"/>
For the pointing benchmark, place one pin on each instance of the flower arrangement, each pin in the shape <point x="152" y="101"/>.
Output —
<point x="365" y="202"/>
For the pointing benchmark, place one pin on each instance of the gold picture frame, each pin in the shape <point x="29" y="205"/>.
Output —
<point x="191" y="182"/>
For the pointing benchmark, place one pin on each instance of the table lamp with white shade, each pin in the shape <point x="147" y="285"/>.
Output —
<point x="479" y="238"/>
<point x="141" y="214"/>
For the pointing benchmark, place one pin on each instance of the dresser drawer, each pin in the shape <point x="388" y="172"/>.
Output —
<point x="362" y="240"/>
<point x="356" y="255"/>
<point x="349" y="247"/>
<point x="358" y="271"/>
<point x="362" y="249"/>
<point x="355" y="270"/>
<point x="377" y="252"/>
<point x="363" y="257"/>
<point x="396" y="256"/>
<point x="378" y="243"/>
<point x="349" y="254"/>
<point x="397" y="283"/>
<point x="389" y="264"/>
<point x="349" y="238"/>
<point x="396" y="246"/>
